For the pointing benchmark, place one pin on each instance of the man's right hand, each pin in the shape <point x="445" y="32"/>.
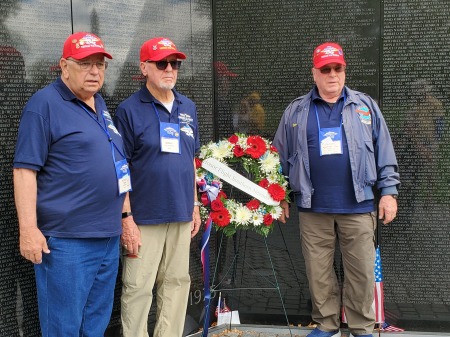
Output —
<point x="32" y="244"/>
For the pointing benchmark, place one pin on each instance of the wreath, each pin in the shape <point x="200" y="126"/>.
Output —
<point x="261" y="161"/>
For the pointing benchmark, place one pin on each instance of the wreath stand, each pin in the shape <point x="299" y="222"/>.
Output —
<point x="232" y="270"/>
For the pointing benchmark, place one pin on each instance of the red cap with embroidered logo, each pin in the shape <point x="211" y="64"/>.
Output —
<point x="327" y="53"/>
<point x="82" y="44"/>
<point x="159" y="48"/>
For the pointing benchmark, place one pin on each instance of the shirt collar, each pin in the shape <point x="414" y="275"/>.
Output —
<point x="65" y="92"/>
<point x="147" y="97"/>
<point x="316" y="97"/>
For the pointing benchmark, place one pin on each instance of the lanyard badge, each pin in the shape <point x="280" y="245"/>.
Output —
<point x="123" y="176"/>
<point x="169" y="137"/>
<point x="330" y="141"/>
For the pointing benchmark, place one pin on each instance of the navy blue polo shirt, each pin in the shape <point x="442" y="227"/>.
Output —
<point x="331" y="175"/>
<point x="163" y="183"/>
<point x="78" y="195"/>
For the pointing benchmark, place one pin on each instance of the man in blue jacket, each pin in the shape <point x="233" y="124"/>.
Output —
<point x="336" y="149"/>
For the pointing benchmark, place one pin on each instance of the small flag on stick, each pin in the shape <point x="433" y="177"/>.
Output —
<point x="378" y="301"/>
<point x="387" y="327"/>
<point x="221" y="306"/>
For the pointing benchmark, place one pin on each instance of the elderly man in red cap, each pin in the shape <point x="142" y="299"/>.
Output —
<point x="70" y="181"/>
<point x="336" y="149"/>
<point x="160" y="216"/>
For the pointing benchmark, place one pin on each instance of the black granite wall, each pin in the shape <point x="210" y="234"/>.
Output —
<point x="257" y="52"/>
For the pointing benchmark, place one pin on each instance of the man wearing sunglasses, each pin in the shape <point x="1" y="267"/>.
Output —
<point x="336" y="149"/>
<point x="161" y="215"/>
<point x="69" y="187"/>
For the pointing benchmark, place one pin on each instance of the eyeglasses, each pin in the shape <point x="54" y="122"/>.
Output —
<point x="327" y="70"/>
<point x="86" y="65"/>
<point x="162" y="65"/>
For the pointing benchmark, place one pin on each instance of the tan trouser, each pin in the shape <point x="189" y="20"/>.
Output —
<point x="356" y="234"/>
<point x="163" y="259"/>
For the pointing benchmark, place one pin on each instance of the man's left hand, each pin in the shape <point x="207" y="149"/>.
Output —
<point x="131" y="235"/>
<point x="196" y="221"/>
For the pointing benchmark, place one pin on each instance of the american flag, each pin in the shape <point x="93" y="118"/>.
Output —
<point x="387" y="327"/>
<point x="378" y="301"/>
<point x="223" y="307"/>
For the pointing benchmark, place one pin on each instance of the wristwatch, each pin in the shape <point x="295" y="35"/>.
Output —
<point x="197" y="203"/>
<point x="126" y="214"/>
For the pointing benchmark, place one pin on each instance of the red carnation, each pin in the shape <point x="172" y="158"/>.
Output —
<point x="198" y="162"/>
<point x="221" y="218"/>
<point x="238" y="151"/>
<point x="268" y="219"/>
<point x="264" y="183"/>
<point x="233" y="139"/>
<point x="273" y="148"/>
<point x="256" y="146"/>
<point x="253" y="204"/>
<point x="204" y="199"/>
<point x="221" y="195"/>
<point x="217" y="205"/>
<point x="276" y="192"/>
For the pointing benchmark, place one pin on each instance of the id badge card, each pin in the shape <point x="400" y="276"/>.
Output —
<point x="330" y="141"/>
<point x="123" y="176"/>
<point x="169" y="137"/>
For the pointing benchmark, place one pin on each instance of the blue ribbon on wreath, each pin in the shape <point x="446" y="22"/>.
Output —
<point x="204" y="247"/>
<point x="209" y="192"/>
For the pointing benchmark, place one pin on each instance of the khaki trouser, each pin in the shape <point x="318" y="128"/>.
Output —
<point x="356" y="234"/>
<point x="163" y="260"/>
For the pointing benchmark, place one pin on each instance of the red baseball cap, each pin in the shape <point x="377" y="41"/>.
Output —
<point x="82" y="44"/>
<point x="159" y="48"/>
<point x="327" y="53"/>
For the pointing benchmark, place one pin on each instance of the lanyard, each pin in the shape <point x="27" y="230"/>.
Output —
<point x="105" y="130"/>
<point x="170" y="114"/>
<point x="169" y="133"/>
<point x="317" y="115"/>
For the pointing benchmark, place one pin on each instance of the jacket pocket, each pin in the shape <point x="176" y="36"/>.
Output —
<point x="294" y="172"/>
<point x="371" y="168"/>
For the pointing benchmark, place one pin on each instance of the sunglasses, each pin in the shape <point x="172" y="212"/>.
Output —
<point x="327" y="70"/>
<point x="162" y="65"/>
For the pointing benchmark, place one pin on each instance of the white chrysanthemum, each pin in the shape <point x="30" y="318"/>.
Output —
<point x="276" y="212"/>
<point x="268" y="162"/>
<point x="231" y="204"/>
<point x="242" y="215"/>
<point x="273" y="178"/>
<point x="242" y="142"/>
<point x="204" y="151"/>
<point x="222" y="150"/>
<point x="257" y="218"/>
